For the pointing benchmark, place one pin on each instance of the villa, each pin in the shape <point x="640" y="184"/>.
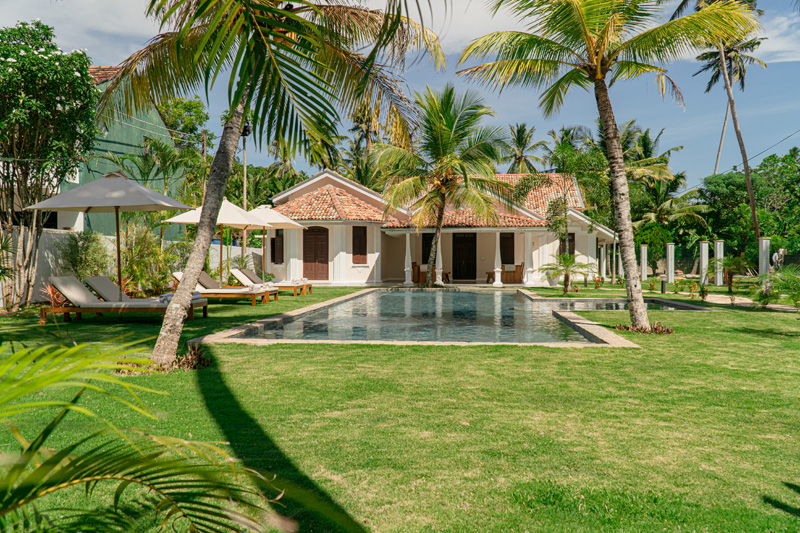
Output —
<point x="350" y="239"/>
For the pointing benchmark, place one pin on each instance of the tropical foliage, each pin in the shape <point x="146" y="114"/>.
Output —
<point x="452" y="165"/>
<point x="187" y="485"/>
<point x="84" y="254"/>
<point x="566" y="267"/>
<point x="47" y="101"/>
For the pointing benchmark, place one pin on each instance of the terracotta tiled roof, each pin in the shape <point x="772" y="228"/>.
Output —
<point x="539" y="198"/>
<point x="103" y="74"/>
<point x="465" y="218"/>
<point x="331" y="203"/>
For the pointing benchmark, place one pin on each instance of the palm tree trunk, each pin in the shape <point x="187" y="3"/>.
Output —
<point x="622" y="204"/>
<point x="735" y="119"/>
<point x="722" y="137"/>
<point x="435" y="247"/>
<point x="166" y="348"/>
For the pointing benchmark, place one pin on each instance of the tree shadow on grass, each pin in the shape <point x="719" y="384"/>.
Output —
<point x="767" y="331"/>
<point x="303" y="500"/>
<point x="781" y="506"/>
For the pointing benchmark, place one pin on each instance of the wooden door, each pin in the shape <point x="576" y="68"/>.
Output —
<point x="315" y="253"/>
<point x="465" y="256"/>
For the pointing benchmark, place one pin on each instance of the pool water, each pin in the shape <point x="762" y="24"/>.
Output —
<point x="429" y="316"/>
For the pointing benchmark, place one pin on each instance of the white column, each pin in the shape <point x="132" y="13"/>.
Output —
<point x="671" y="262"/>
<point x="267" y="251"/>
<point x="377" y="237"/>
<point x="439" y="281"/>
<point x="643" y="261"/>
<point x="763" y="256"/>
<point x="602" y="263"/>
<point x="408" y="261"/>
<point x="543" y="244"/>
<point x="529" y="256"/>
<point x="591" y="253"/>
<point x="292" y="258"/>
<point x="620" y="268"/>
<point x="498" y="267"/>
<point x="703" y="262"/>
<point x="719" y="253"/>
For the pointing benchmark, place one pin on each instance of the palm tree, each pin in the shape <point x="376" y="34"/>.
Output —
<point x="731" y="266"/>
<point x="566" y="266"/>
<point x="519" y="149"/>
<point x="666" y="208"/>
<point x="358" y="164"/>
<point x="452" y="166"/>
<point x="719" y="46"/>
<point x="564" y="138"/>
<point x="737" y="62"/>
<point x="290" y="64"/>
<point x="592" y="44"/>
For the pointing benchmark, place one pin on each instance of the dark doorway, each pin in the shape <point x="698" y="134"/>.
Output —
<point x="315" y="253"/>
<point x="465" y="256"/>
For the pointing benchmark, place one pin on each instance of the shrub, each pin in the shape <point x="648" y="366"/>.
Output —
<point x="146" y="268"/>
<point x="657" y="328"/>
<point x="84" y="254"/>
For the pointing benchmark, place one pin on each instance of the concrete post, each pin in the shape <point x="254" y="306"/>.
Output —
<point x="498" y="268"/>
<point x="407" y="268"/>
<point x="719" y="254"/>
<point x="602" y="262"/>
<point x="620" y="268"/>
<point x="439" y="281"/>
<point x="703" y="262"/>
<point x="763" y="256"/>
<point x="643" y="261"/>
<point x="671" y="262"/>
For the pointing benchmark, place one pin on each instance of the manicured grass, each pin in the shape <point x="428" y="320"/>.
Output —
<point x="697" y="431"/>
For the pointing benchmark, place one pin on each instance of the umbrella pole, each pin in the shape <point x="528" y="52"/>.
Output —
<point x="119" y="257"/>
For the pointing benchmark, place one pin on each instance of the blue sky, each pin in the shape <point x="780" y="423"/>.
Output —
<point x="769" y="110"/>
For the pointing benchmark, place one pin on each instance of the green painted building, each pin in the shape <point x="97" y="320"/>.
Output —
<point x="119" y="138"/>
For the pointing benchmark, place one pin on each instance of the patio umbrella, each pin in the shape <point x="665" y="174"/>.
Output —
<point x="113" y="193"/>
<point x="276" y="220"/>
<point x="229" y="215"/>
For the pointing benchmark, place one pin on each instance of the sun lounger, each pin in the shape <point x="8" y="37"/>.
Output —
<point x="209" y="288"/>
<point x="109" y="291"/>
<point x="302" y="285"/>
<point x="83" y="301"/>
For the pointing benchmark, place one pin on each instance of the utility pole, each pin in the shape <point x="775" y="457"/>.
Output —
<point x="246" y="129"/>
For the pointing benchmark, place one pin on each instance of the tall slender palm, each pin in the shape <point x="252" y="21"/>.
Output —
<point x="452" y="166"/>
<point x="719" y="46"/>
<point x="593" y="44"/>
<point x="291" y="63"/>
<point x="520" y="148"/>
<point x="665" y="207"/>
<point x="737" y="61"/>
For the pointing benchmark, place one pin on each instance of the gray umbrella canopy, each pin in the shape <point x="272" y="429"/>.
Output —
<point x="113" y="193"/>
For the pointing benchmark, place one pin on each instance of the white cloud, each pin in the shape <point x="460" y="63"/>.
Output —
<point x="783" y="38"/>
<point x="110" y="30"/>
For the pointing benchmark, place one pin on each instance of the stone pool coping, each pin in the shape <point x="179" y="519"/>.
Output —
<point x="600" y="336"/>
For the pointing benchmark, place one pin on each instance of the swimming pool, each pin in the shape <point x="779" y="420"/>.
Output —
<point x="444" y="316"/>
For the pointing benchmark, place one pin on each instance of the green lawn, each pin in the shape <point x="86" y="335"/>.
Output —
<point x="697" y="431"/>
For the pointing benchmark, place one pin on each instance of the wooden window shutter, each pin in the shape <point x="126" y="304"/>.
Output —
<point x="507" y="248"/>
<point x="276" y="247"/>
<point x="359" y="245"/>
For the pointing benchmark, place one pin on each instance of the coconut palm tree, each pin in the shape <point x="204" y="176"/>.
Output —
<point x="666" y="208"/>
<point x="591" y="44"/>
<point x="719" y="46"/>
<point x="519" y="149"/>
<point x="452" y="166"/>
<point x="290" y="63"/>
<point x="737" y="61"/>
<point x="567" y="267"/>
